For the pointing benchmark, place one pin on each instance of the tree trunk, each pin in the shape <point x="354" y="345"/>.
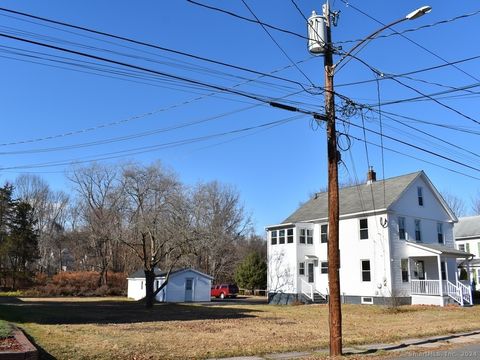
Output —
<point x="149" y="280"/>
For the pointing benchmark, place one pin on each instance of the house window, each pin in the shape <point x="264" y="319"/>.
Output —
<point x="461" y="247"/>
<point x="363" y="229"/>
<point x="418" y="232"/>
<point x="443" y="270"/>
<point x="324" y="267"/>
<point x="141" y="285"/>
<point x="401" y="228"/>
<point x="404" y="266"/>
<point x="420" y="195"/>
<point x="303" y="236"/>
<point x="281" y="236"/>
<point x="309" y="236"/>
<point x="467" y="247"/>
<point x="273" y="237"/>
<point x="289" y="236"/>
<point x="366" y="275"/>
<point x="440" y="233"/>
<point x="324" y="233"/>
<point x="301" y="268"/>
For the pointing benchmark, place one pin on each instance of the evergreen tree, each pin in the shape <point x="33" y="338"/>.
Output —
<point x="251" y="273"/>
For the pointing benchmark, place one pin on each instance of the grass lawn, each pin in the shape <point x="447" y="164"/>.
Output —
<point x="5" y="329"/>
<point x="112" y="329"/>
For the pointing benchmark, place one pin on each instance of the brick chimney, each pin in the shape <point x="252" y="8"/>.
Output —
<point x="371" y="175"/>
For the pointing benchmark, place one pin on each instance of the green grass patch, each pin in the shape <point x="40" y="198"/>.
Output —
<point x="16" y="293"/>
<point x="5" y="329"/>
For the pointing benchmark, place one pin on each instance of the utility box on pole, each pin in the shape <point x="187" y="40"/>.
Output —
<point x="316" y="34"/>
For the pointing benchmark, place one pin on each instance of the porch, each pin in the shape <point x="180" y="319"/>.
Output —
<point x="433" y="275"/>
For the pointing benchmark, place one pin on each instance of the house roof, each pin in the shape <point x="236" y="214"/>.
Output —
<point x="467" y="227"/>
<point x="140" y="273"/>
<point x="356" y="199"/>
<point x="440" y="249"/>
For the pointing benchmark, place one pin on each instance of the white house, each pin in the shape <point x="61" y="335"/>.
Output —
<point x="396" y="243"/>
<point x="467" y="237"/>
<point x="184" y="285"/>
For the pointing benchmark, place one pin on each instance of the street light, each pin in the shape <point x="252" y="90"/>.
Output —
<point x="320" y="42"/>
<point x="411" y="16"/>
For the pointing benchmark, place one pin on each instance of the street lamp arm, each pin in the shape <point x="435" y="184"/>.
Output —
<point x="411" y="16"/>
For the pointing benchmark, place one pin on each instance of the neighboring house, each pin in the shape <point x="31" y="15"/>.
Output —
<point x="467" y="237"/>
<point x="184" y="285"/>
<point x="396" y="244"/>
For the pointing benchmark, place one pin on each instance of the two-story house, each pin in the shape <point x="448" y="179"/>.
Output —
<point x="467" y="237"/>
<point x="396" y="243"/>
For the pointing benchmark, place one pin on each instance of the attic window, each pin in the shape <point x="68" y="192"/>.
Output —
<point x="363" y="229"/>
<point x="420" y="196"/>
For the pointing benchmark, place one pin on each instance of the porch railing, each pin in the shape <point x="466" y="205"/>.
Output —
<point x="460" y="293"/>
<point x="466" y="292"/>
<point x="306" y="289"/>
<point x="425" y="287"/>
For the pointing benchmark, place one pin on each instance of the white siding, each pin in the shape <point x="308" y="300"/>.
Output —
<point x="175" y="289"/>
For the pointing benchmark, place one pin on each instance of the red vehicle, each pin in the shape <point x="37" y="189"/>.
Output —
<point x="224" y="290"/>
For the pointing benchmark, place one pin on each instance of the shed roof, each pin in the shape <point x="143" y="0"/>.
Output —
<point x="440" y="249"/>
<point x="140" y="273"/>
<point x="356" y="199"/>
<point x="467" y="227"/>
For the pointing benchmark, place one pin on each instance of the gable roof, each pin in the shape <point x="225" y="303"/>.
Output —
<point x="467" y="227"/>
<point x="140" y="273"/>
<point x="356" y="199"/>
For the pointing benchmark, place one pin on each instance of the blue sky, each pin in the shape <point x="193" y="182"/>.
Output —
<point x="274" y="168"/>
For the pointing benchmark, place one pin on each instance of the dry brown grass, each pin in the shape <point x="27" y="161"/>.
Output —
<point x="114" y="330"/>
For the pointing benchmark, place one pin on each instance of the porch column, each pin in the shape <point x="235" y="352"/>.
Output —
<point x="439" y="263"/>
<point x="468" y="273"/>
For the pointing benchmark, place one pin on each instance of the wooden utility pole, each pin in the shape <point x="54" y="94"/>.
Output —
<point x="334" y="304"/>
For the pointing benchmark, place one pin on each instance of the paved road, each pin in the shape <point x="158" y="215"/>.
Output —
<point x="471" y="351"/>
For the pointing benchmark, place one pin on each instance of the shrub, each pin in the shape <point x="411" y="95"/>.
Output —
<point x="80" y="283"/>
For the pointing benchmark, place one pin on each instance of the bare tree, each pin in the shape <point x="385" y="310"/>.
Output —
<point x="455" y="203"/>
<point x="220" y="223"/>
<point x="476" y="204"/>
<point x="157" y="217"/>
<point x="50" y="210"/>
<point x="99" y="203"/>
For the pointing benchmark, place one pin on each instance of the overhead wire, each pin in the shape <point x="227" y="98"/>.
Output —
<point x="277" y="44"/>
<point x="145" y="149"/>
<point x="410" y="40"/>
<point x="137" y="42"/>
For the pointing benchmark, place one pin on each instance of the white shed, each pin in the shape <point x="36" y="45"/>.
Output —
<point x="184" y="285"/>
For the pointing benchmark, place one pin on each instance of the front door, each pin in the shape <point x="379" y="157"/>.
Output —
<point x="311" y="278"/>
<point x="188" y="289"/>
<point x="420" y="270"/>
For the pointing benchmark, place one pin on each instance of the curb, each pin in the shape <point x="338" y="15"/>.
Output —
<point x="28" y="352"/>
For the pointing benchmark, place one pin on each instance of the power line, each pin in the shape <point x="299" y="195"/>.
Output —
<point x="247" y="19"/>
<point x="441" y="22"/>
<point x="278" y="45"/>
<point x="410" y="40"/>
<point x="145" y="149"/>
<point x="414" y="146"/>
<point x="137" y="42"/>
<point x="416" y="158"/>
<point x="386" y="76"/>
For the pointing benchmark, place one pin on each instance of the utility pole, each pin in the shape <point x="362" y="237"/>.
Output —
<point x="320" y="43"/>
<point x="334" y="304"/>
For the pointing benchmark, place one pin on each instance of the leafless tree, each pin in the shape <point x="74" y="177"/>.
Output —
<point x="476" y="204"/>
<point x="455" y="203"/>
<point x="51" y="212"/>
<point x="220" y="223"/>
<point x="99" y="204"/>
<point x="156" y="214"/>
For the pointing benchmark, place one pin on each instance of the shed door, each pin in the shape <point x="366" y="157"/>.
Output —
<point x="188" y="289"/>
